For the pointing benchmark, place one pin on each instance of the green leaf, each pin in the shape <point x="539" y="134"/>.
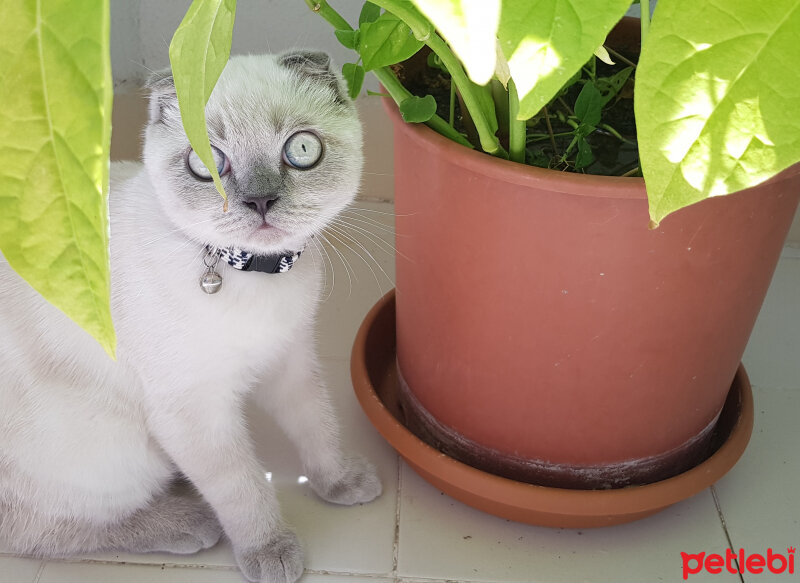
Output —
<point x="386" y="41"/>
<point x="717" y="107"/>
<point x="602" y="54"/>
<point x="610" y="86"/>
<point x="589" y="105"/>
<point x="585" y="155"/>
<point x="348" y="38"/>
<point x="547" y="41"/>
<point x="484" y="94"/>
<point x="55" y="126"/>
<point x="418" y="109"/>
<point x="369" y="13"/>
<point x="198" y="53"/>
<point x="354" y="75"/>
<point x="470" y="29"/>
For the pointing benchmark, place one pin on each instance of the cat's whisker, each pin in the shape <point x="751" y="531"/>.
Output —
<point x="355" y="232"/>
<point x="381" y="243"/>
<point x="343" y="259"/>
<point x="376" y="216"/>
<point x="366" y="210"/>
<point x="338" y="237"/>
<point x="318" y="252"/>
<point x="374" y="237"/>
<point x="342" y="236"/>
<point x="371" y="222"/>
<point x="167" y="234"/>
<point x="321" y="248"/>
<point x="143" y="66"/>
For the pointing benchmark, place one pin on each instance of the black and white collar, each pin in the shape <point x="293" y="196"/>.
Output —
<point x="246" y="261"/>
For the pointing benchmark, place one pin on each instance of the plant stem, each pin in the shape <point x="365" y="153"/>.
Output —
<point x="321" y="7"/>
<point x="423" y="30"/>
<point x="615" y="133"/>
<point x="399" y="93"/>
<point x="469" y="92"/>
<point x="566" y="105"/>
<point x="539" y="137"/>
<point x="630" y="172"/>
<point x="385" y="75"/>
<point x="550" y="131"/>
<point x="644" y="5"/>
<point x="516" y="128"/>
<point x="452" y="104"/>
<point x="621" y="57"/>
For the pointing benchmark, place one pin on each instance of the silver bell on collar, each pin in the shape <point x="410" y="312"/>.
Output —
<point x="211" y="281"/>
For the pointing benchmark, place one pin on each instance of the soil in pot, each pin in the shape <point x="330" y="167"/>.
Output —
<point x="613" y="142"/>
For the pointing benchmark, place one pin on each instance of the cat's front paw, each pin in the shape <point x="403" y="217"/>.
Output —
<point x="280" y="560"/>
<point x="357" y="482"/>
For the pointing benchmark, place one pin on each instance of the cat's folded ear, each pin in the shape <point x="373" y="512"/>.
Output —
<point x="163" y="97"/>
<point x="315" y="65"/>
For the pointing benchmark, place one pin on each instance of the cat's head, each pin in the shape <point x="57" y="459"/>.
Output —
<point x="287" y="142"/>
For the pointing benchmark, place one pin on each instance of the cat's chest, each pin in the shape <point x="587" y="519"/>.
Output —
<point x="253" y="317"/>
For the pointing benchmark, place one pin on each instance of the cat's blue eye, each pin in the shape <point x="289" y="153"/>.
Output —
<point x="200" y="171"/>
<point x="303" y="150"/>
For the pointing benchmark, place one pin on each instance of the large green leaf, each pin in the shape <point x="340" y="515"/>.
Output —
<point x="717" y="98"/>
<point x="470" y="27"/>
<point x="199" y="51"/>
<point x="55" y="127"/>
<point x="547" y="41"/>
<point x="354" y="76"/>
<point x="386" y="41"/>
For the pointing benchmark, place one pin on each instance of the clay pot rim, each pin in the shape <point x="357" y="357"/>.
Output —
<point x="474" y="484"/>
<point x="495" y="168"/>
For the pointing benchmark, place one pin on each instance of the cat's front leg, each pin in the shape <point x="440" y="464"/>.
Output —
<point x="298" y="400"/>
<point x="203" y="430"/>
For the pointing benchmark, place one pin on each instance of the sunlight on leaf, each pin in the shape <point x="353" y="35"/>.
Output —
<point x="198" y="53"/>
<point x="547" y="41"/>
<point x="602" y="54"/>
<point x="717" y="107"/>
<point x="470" y="27"/>
<point x="55" y="127"/>
<point x="502" y="72"/>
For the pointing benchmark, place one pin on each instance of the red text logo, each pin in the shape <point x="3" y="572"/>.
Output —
<point x="740" y="562"/>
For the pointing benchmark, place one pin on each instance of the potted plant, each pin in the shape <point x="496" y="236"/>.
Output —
<point x="543" y="332"/>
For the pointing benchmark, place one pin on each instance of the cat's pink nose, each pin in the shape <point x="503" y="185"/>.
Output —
<point x="260" y="204"/>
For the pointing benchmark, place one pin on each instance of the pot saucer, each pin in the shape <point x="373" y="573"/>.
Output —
<point x="375" y="381"/>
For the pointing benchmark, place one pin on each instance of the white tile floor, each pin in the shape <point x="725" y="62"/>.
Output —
<point x="413" y="533"/>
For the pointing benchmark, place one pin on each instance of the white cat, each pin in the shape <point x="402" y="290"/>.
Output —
<point x="96" y="454"/>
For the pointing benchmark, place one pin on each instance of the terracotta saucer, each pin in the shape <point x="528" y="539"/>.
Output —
<point x="375" y="380"/>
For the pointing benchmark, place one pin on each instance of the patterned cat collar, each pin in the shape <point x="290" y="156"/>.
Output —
<point x="211" y="281"/>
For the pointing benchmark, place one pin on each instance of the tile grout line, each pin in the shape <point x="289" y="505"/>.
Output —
<point x="725" y="530"/>
<point x="396" y="542"/>
<point x="344" y="574"/>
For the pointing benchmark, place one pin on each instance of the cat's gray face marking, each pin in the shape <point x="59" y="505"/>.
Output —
<point x="258" y="105"/>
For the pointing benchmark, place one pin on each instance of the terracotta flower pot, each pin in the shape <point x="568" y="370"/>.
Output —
<point x="546" y="335"/>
